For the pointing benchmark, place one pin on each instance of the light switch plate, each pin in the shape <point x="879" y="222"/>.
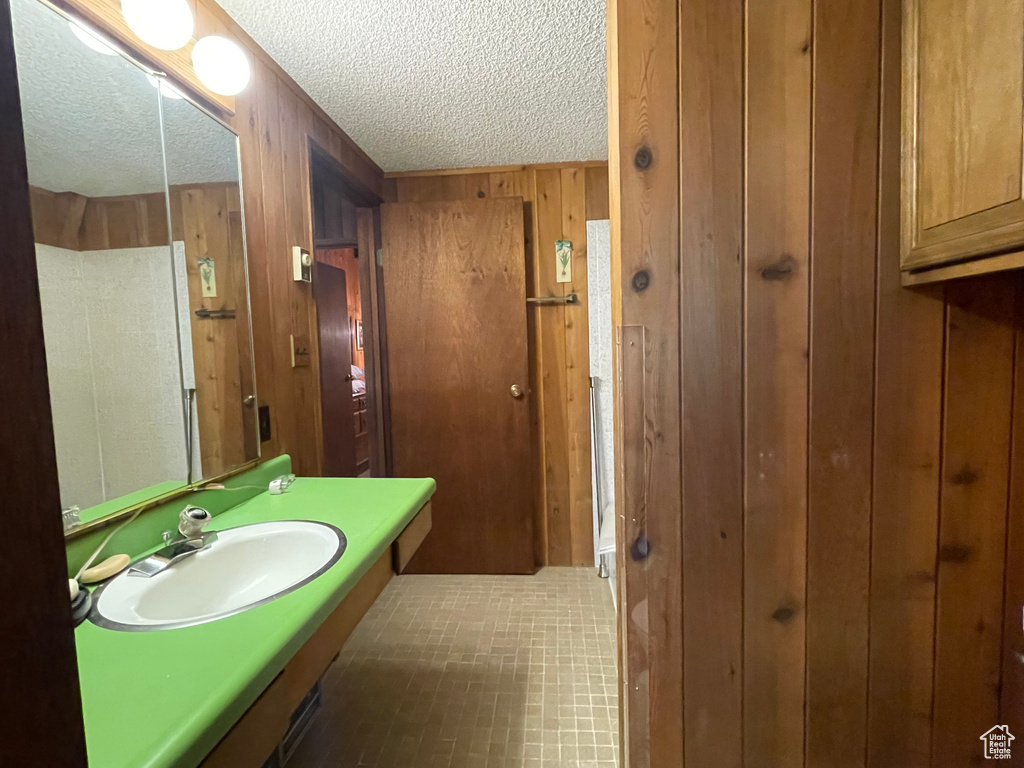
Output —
<point x="300" y="352"/>
<point x="302" y="265"/>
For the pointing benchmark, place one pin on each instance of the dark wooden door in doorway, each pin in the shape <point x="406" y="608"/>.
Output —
<point x="335" y="372"/>
<point x="455" y="287"/>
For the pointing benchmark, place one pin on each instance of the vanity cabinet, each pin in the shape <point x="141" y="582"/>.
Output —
<point x="963" y="123"/>
<point x="261" y="729"/>
<point x="256" y="735"/>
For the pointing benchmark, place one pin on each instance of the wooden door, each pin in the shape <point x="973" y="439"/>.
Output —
<point x="371" y="293"/>
<point x="455" y="286"/>
<point x="963" y="77"/>
<point x="335" y="372"/>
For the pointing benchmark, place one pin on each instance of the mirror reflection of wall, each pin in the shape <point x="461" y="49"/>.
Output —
<point x="208" y="239"/>
<point x="93" y="136"/>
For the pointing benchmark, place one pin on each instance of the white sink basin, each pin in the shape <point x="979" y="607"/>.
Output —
<point x="245" y="567"/>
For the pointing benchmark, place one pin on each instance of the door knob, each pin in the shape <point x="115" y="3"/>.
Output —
<point x="250" y="401"/>
<point x="516" y="391"/>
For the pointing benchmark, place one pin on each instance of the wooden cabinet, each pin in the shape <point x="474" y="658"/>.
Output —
<point x="963" y="123"/>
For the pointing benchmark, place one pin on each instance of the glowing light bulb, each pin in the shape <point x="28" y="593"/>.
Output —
<point x="221" y="65"/>
<point x="163" y="24"/>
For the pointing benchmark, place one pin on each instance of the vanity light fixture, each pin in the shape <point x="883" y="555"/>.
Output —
<point x="91" y="39"/>
<point x="163" y="24"/>
<point x="221" y="65"/>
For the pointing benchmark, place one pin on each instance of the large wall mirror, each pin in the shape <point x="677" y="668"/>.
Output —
<point x="140" y="250"/>
<point x="207" y="238"/>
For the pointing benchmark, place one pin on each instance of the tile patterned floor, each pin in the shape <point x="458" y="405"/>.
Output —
<point x="475" y="672"/>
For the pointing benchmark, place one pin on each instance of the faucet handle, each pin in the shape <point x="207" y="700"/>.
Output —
<point x="281" y="484"/>
<point x="70" y="517"/>
<point x="192" y="520"/>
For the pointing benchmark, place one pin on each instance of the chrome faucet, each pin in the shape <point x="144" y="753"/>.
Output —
<point x="191" y="539"/>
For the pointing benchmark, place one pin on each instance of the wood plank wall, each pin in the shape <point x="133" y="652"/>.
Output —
<point x="558" y="200"/>
<point x="276" y="122"/>
<point x="78" y="223"/>
<point x="643" y="170"/>
<point x="835" y="579"/>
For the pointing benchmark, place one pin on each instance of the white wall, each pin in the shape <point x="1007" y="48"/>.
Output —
<point x="110" y="327"/>
<point x="69" y="364"/>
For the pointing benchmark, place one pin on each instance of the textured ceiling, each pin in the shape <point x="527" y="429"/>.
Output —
<point x="92" y="123"/>
<point x="447" y="83"/>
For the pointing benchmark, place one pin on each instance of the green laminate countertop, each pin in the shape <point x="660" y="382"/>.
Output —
<point x="165" y="698"/>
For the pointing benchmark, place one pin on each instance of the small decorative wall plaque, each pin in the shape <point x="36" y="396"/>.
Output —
<point x="207" y="277"/>
<point x="563" y="260"/>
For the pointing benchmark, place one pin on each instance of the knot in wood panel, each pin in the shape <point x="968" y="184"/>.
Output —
<point x="782" y="269"/>
<point x="954" y="553"/>
<point x="643" y="158"/>
<point x="785" y="612"/>
<point x="641" y="280"/>
<point x="640" y="549"/>
<point x="964" y="476"/>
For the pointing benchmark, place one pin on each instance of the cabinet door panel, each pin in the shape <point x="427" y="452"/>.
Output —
<point x="963" y="127"/>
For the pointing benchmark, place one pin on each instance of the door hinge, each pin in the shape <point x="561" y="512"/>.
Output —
<point x="380" y="257"/>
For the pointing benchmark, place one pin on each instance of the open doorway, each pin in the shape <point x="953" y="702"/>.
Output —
<point x="348" y="315"/>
